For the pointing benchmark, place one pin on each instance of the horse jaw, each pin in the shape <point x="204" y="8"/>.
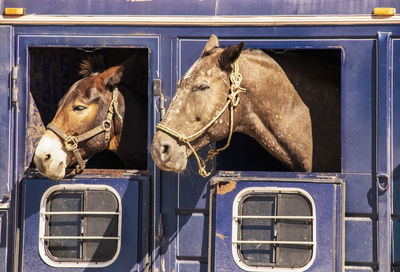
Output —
<point x="50" y="158"/>
<point x="168" y="154"/>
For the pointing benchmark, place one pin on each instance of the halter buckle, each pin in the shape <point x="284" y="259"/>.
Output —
<point x="106" y="125"/>
<point x="71" y="143"/>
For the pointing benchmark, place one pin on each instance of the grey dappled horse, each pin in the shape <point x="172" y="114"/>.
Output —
<point x="208" y="107"/>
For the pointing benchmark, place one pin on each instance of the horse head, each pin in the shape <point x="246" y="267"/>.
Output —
<point x="211" y="103"/>
<point x="202" y="94"/>
<point x="88" y="120"/>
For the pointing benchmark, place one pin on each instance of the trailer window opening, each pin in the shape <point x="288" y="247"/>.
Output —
<point x="53" y="70"/>
<point x="316" y="75"/>
<point x="273" y="229"/>
<point x="80" y="225"/>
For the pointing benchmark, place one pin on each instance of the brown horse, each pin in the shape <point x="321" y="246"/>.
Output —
<point x="265" y="106"/>
<point x="90" y="118"/>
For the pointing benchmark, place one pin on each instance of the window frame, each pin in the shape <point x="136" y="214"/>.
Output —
<point x="42" y="224"/>
<point x="235" y="223"/>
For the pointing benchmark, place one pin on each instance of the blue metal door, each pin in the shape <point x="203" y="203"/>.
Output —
<point x="396" y="150"/>
<point x="98" y="220"/>
<point x="357" y="158"/>
<point x="44" y="234"/>
<point x="5" y="141"/>
<point x="264" y="223"/>
<point x="5" y="112"/>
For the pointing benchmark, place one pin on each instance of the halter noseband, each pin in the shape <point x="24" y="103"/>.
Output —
<point x="71" y="142"/>
<point x="233" y="101"/>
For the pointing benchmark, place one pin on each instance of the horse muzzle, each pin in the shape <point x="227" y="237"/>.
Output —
<point x="168" y="154"/>
<point x="50" y="158"/>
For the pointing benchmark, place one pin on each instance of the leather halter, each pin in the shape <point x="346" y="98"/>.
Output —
<point x="71" y="142"/>
<point x="233" y="100"/>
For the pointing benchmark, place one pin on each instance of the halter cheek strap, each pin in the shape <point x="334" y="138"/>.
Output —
<point x="232" y="102"/>
<point x="71" y="142"/>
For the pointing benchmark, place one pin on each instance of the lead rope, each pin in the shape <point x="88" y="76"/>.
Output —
<point x="233" y="101"/>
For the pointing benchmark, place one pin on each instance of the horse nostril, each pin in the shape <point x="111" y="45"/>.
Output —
<point x="165" y="148"/>
<point x="47" y="157"/>
<point x="164" y="152"/>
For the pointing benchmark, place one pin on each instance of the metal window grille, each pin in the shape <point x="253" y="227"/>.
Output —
<point x="273" y="229"/>
<point x="80" y="225"/>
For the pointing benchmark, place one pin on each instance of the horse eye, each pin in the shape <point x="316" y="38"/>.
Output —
<point x="79" y="108"/>
<point x="202" y="87"/>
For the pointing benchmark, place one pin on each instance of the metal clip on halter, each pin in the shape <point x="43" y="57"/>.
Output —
<point x="71" y="143"/>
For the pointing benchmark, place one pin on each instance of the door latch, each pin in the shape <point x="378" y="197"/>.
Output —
<point x="157" y="91"/>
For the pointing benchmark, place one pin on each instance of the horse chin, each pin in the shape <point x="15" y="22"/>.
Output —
<point x="176" y="164"/>
<point x="57" y="173"/>
<point x="172" y="167"/>
<point x="50" y="158"/>
<point x="176" y="158"/>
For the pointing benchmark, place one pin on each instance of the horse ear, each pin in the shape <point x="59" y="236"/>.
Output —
<point x="229" y="55"/>
<point x="116" y="74"/>
<point x="212" y="43"/>
<point x="112" y="76"/>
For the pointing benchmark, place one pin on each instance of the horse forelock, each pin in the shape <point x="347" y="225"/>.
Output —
<point x="200" y="67"/>
<point x="91" y="65"/>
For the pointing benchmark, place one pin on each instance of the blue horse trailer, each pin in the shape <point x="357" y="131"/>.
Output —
<point x="251" y="214"/>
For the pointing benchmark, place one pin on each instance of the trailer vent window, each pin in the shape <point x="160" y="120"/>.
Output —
<point x="80" y="225"/>
<point x="273" y="229"/>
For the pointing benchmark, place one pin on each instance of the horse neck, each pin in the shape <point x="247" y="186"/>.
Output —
<point x="133" y="144"/>
<point x="272" y="112"/>
<point x="268" y="90"/>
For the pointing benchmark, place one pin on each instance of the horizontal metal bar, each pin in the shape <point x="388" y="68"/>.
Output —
<point x="5" y="206"/>
<point x="191" y="211"/>
<point x="273" y="217"/>
<point x="350" y="216"/>
<point x="274" y="242"/>
<point x="80" y="213"/>
<point x="192" y="258"/>
<point x="201" y="20"/>
<point x="373" y="265"/>
<point x="79" y="238"/>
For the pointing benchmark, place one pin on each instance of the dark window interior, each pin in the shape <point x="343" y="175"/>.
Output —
<point x="88" y="250"/>
<point x="316" y="75"/>
<point x="275" y="255"/>
<point x="53" y="70"/>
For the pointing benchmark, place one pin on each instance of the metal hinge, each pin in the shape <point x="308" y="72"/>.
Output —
<point x="157" y="84"/>
<point x="14" y="87"/>
<point x="5" y="202"/>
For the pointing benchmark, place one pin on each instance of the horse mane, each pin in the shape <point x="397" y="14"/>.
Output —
<point x="256" y="53"/>
<point x="92" y="64"/>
